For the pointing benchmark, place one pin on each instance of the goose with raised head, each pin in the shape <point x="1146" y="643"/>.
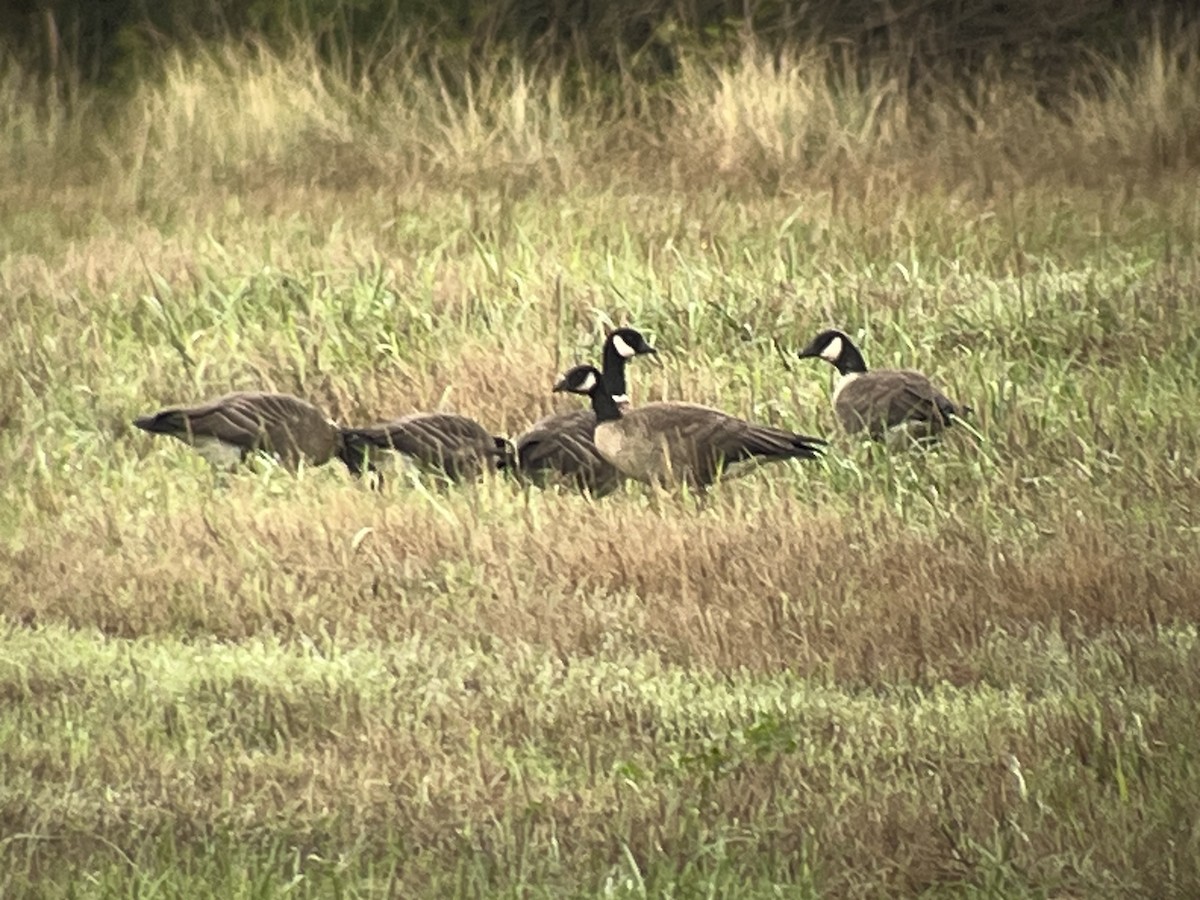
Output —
<point x="227" y="430"/>
<point x="880" y="400"/>
<point x="453" y="445"/>
<point x="673" y="443"/>
<point x="560" y="446"/>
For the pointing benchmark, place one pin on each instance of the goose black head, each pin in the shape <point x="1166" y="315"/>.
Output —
<point x="620" y="347"/>
<point x="836" y="348"/>
<point x="628" y="343"/>
<point x="579" y="380"/>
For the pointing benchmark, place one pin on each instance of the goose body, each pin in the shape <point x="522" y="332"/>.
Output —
<point x="879" y="401"/>
<point x="228" y="429"/>
<point x="560" y="446"/>
<point x="679" y="443"/>
<point x="454" y="445"/>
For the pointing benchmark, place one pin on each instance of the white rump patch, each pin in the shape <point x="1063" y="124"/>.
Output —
<point x="588" y="383"/>
<point x="622" y="347"/>
<point x="217" y="452"/>
<point x="832" y="350"/>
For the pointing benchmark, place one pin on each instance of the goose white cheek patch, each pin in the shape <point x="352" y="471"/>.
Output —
<point x="832" y="350"/>
<point x="622" y="347"/>
<point x="588" y="383"/>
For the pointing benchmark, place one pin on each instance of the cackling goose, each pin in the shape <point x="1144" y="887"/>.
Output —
<point x="672" y="443"/>
<point x="560" y="445"/>
<point x="228" y="429"/>
<point x="882" y="399"/>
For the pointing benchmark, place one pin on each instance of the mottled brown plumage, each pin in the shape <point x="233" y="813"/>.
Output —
<point x="228" y="429"/>
<point x="454" y="445"/>
<point x="679" y="443"/>
<point x="559" y="447"/>
<point x="880" y="400"/>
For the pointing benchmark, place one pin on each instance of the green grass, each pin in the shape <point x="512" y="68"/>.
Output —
<point x="968" y="672"/>
<point x="640" y="769"/>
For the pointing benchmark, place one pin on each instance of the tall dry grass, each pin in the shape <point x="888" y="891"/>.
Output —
<point x="792" y="120"/>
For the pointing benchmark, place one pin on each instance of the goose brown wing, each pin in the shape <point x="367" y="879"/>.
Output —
<point x="948" y="408"/>
<point x="426" y="435"/>
<point x="887" y="398"/>
<point x="562" y="444"/>
<point x="280" y="423"/>
<point x="239" y="419"/>
<point x="446" y="441"/>
<point x="704" y="439"/>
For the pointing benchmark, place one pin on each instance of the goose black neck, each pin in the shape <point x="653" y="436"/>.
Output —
<point x="604" y="406"/>
<point x="851" y="361"/>
<point x="613" y="371"/>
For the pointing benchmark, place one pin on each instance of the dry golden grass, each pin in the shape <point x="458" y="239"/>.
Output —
<point x="964" y="672"/>
<point x="860" y="595"/>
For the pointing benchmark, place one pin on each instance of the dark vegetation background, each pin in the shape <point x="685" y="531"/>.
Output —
<point x="114" y="40"/>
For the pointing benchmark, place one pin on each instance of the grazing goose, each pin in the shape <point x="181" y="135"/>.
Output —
<point x="454" y="445"/>
<point x="672" y="443"/>
<point x="228" y="429"/>
<point x="882" y="399"/>
<point x="560" y="445"/>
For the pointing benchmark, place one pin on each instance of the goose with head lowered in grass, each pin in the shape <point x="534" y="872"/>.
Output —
<point x="879" y="401"/>
<point x="560" y="448"/>
<point x="449" y="444"/>
<point x="228" y="430"/>
<point x="231" y="428"/>
<point x="679" y="443"/>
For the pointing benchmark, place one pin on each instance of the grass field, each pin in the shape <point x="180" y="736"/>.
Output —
<point x="970" y="672"/>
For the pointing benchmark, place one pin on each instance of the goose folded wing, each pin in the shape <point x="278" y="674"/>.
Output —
<point x="279" y="419"/>
<point x="737" y="440"/>
<point x="562" y="442"/>
<point x="889" y="399"/>
<point x="925" y="401"/>
<point x="428" y="437"/>
<point x="438" y="432"/>
<point x="232" y="421"/>
<point x="707" y="439"/>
